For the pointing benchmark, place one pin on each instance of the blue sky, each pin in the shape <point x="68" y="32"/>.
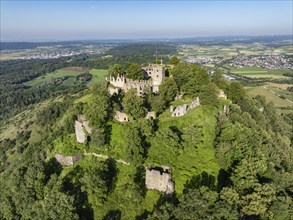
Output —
<point x="76" y="20"/>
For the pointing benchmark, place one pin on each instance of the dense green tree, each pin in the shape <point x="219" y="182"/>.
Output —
<point x="181" y="73"/>
<point x="56" y="205"/>
<point x="162" y="212"/>
<point x="134" y="71"/>
<point x="168" y="141"/>
<point x="95" y="186"/>
<point x="236" y="142"/>
<point x="98" y="137"/>
<point x="196" y="204"/>
<point x="133" y="104"/>
<point x="99" y="109"/>
<point x="258" y="202"/>
<point x="174" y="60"/>
<point x="282" y="207"/>
<point x="246" y="172"/>
<point x="134" y="144"/>
<point x="235" y="91"/>
<point x="230" y="196"/>
<point x="115" y="69"/>
<point x="99" y="181"/>
<point x="156" y="102"/>
<point x="192" y="135"/>
<point x="168" y="90"/>
<point x="201" y="75"/>
<point x="208" y="94"/>
<point x="219" y="79"/>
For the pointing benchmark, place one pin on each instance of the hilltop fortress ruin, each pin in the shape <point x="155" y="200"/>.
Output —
<point x="156" y="73"/>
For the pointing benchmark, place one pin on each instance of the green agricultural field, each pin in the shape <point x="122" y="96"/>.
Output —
<point x="54" y="75"/>
<point x="231" y="50"/>
<point x="98" y="76"/>
<point x="258" y="72"/>
<point x="71" y="72"/>
<point x="270" y="96"/>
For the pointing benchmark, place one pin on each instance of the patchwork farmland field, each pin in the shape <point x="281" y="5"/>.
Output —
<point x="98" y="76"/>
<point x="258" y="72"/>
<point x="276" y="93"/>
<point x="69" y="73"/>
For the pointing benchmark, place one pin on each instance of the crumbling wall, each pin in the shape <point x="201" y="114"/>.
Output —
<point x="161" y="181"/>
<point x="150" y="115"/>
<point x="80" y="124"/>
<point x="67" y="160"/>
<point x="179" y="110"/>
<point x="156" y="72"/>
<point x="121" y="116"/>
<point x="183" y="109"/>
<point x="221" y="94"/>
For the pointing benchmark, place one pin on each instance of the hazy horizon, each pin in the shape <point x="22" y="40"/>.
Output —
<point x="141" y="39"/>
<point x="141" y="20"/>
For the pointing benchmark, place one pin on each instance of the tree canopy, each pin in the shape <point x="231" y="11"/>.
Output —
<point x="134" y="71"/>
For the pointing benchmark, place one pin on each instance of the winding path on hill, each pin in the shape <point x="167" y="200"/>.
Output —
<point x="105" y="157"/>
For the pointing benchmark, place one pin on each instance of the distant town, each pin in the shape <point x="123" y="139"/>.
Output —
<point x="53" y="52"/>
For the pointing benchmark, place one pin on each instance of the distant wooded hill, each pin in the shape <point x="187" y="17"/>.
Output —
<point x="145" y="49"/>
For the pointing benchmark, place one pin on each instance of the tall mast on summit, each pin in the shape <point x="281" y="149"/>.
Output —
<point x="156" y="57"/>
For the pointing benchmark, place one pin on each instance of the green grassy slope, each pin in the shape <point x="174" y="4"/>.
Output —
<point x="193" y="161"/>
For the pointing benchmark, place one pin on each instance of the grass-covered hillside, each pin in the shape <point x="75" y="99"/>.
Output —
<point x="229" y="158"/>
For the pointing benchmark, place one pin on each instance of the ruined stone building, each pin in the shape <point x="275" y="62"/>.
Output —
<point x="121" y="116"/>
<point x="159" y="180"/>
<point x="82" y="129"/>
<point x="125" y="84"/>
<point x="183" y="109"/>
<point x="154" y="71"/>
<point x="179" y="110"/>
<point x="157" y="74"/>
<point x="150" y="115"/>
<point x="67" y="160"/>
<point x="221" y="94"/>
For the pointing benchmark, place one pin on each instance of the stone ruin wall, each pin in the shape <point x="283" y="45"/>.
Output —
<point x="159" y="181"/>
<point x="183" y="109"/>
<point x="67" y="160"/>
<point x="80" y="124"/>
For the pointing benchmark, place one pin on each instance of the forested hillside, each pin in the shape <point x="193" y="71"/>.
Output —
<point x="230" y="158"/>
